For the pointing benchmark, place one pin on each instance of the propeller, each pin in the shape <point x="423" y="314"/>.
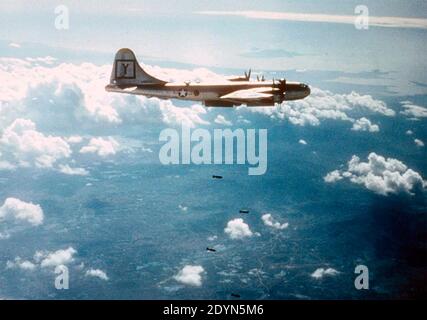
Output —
<point x="281" y="85"/>
<point x="260" y="79"/>
<point x="248" y="74"/>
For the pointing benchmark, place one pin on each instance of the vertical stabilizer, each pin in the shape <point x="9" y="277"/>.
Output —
<point x="128" y="72"/>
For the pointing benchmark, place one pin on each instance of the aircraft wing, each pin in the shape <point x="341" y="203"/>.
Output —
<point x="249" y="94"/>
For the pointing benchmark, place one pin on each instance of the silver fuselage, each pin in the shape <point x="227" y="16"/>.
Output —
<point x="210" y="93"/>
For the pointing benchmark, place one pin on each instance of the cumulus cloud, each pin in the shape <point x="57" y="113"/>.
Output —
<point x="190" y="275"/>
<point x="46" y="259"/>
<point x="14" y="45"/>
<point x="69" y="96"/>
<point x="333" y="176"/>
<point x="413" y="111"/>
<point x="321" y="272"/>
<point x="378" y="174"/>
<point x="102" y="147"/>
<point x="220" y="119"/>
<point x="364" y="124"/>
<point x="74" y="139"/>
<point x="419" y="142"/>
<point x="302" y="141"/>
<point x="18" y="210"/>
<point x="183" y="208"/>
<point x="409" y="132"/>
<point x="21" y="264"/>
<point x="238" y="229"/>
<point x="72" y="97"/>
<point x="56" y="258"/>
<point x="66" y="92"/>
<point x="324" y="105"/>
<point x="270" y="222"/>
<point x="22" y="145"/>
<point x="97" y="273"/>
<point x="188" y="117"/>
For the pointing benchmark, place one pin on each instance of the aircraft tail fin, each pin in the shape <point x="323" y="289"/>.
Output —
<point x="127" y="71"/>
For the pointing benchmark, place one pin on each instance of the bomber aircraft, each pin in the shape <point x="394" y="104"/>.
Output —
<point x="128" y="77"/>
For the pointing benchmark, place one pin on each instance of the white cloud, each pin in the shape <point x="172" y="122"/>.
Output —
<point x="190" y="275"/>
<point x="323" y="105"/>
<point x="390" y="22"/>
<point x="321" y="272"/>
<point x="413" y="111"/>
<point x="53" y="259"/>
<point x="14" y="45"/>
<point x="68" y="96"/>
<point x="364" y="124"/>
<point x="238" y="229"/>
<point x="419" y="142"/>
<point x="183" y="208"/>
<point x="381" y="175"/>
<point x="66" y="169"/>
<point x="72" y="96"/>
<point x="409" y="132"/>
<point x="212" y="238"/>
<point x="22" y="145"/>
<point x="269" y="221"/>
<point x="301" y="141"/>
<point x="74" y="139"/>
<point x="47" y="259"/>
<point x="16" y="209"/>
<point x="333" y="176"/>
<point x="220" y="119"/>
<point x="97" y="273"/>
<point x="188" y="117"/>
<point x="21" y="264"/>
<point x="102" y="147"/>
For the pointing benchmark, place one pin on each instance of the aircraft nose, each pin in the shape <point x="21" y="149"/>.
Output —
<point x="304" y="90"/>
<point x="307" y="91"/>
